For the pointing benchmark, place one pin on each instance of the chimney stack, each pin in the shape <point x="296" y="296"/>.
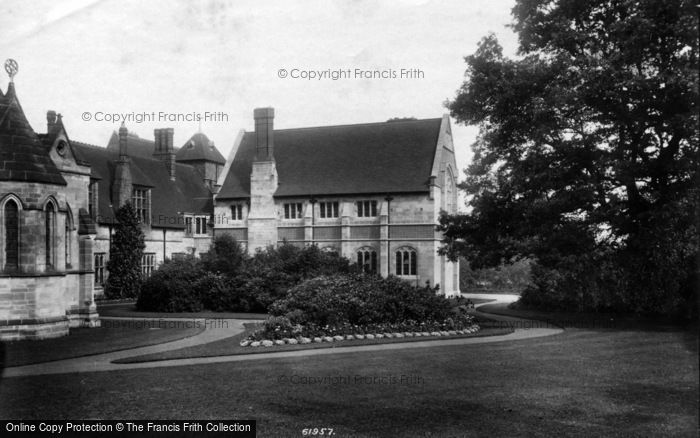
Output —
<point x="50" y="120"/>
<point x="123" y="153"/>
<point x="164" y="149"/>
<point x="264" y="134"/>
<point x="122" y="185"/>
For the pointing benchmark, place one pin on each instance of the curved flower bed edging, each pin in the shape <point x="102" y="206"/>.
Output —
<point x="369" y="336"/>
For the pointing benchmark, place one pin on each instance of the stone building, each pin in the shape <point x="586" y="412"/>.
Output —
<point x="171" y="189"/>
<point x="370" y="192"/>
<point x="46" y="233"/>
<point x="58" y="199"/>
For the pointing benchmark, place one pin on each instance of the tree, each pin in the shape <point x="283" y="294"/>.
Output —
<point x="125" y="253"/>
<point x="587" y="155"/>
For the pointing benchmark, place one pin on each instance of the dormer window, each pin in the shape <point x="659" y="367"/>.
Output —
<point x="140" y="199"/>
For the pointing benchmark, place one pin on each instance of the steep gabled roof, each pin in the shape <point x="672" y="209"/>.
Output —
<point x="23" y="157"/>
<point x="389" y="157"/>
<point x="187" y="194"/>
<point x="199" y="148"/>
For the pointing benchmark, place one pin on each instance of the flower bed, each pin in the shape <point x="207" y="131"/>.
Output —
<point x="280" y="331"/>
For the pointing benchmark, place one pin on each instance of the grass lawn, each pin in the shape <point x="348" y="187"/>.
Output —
<point x="587" y="320"/>
<point x="578" y="383"/>
<point x="88" y="341"/>
<point x="230" y="346"/>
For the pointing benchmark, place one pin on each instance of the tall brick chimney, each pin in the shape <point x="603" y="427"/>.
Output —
<point x="123" y="133"/>
<point x="165" y="150"/>
<point x="50" y="120"/>
<point x="262" y="218"/>
<point x="264" y="131"/>
<point x="122" y="184"/>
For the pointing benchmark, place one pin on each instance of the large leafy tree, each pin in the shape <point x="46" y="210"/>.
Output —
<point x="125" y="253"/>
<point x="588" y="153"/>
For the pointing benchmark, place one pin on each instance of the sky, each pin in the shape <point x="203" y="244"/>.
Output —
<point x="219" y="60"/>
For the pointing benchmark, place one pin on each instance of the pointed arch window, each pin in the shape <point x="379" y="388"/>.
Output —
<point x="68" y="242"/>
<point x="406" y="261"/>
<point x="367" y="260"/>
<point x="50" y="235"/>
<point x="11" y="223"/>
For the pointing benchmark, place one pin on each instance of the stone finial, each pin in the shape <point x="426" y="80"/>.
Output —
<point x="11" y="67"/>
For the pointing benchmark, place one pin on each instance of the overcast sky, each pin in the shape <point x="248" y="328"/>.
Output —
<point x="186" y="57"/>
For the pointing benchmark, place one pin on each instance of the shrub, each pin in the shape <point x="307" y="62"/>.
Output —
<point x="226" y="256"/>
<point x="226" y="279"/>
<point x="270" y="273"/>
<point x="225" y="294"/>
<point x="357" y="299"/>
<point x="171" y="288"/>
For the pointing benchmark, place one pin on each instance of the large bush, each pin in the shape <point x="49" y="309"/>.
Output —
<point x="360" y="299"/>
<point x="270" y="273"/>
<point x="171" y="288"/>
<point x="226" y="256"/>
<point x="226" y="279"/>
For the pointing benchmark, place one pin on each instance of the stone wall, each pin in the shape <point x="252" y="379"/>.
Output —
<point x="410" y="217"/>
<point x="35" y="306"/>
<point x="37" y="300"/>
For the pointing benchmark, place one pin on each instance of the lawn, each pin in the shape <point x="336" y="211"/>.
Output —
<point x="588" y="320"/>
<point x="230" y="346"/>
<point x="113" y="336"/>
<point x="578" y="383"/>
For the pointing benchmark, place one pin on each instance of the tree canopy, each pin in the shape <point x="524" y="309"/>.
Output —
<point x="588" y="153"/>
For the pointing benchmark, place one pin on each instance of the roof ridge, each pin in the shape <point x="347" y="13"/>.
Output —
<point x="392" y="122"/>
<point x="82" y="143"/>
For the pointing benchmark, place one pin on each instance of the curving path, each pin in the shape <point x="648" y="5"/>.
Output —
<point x="103" y="362"/>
